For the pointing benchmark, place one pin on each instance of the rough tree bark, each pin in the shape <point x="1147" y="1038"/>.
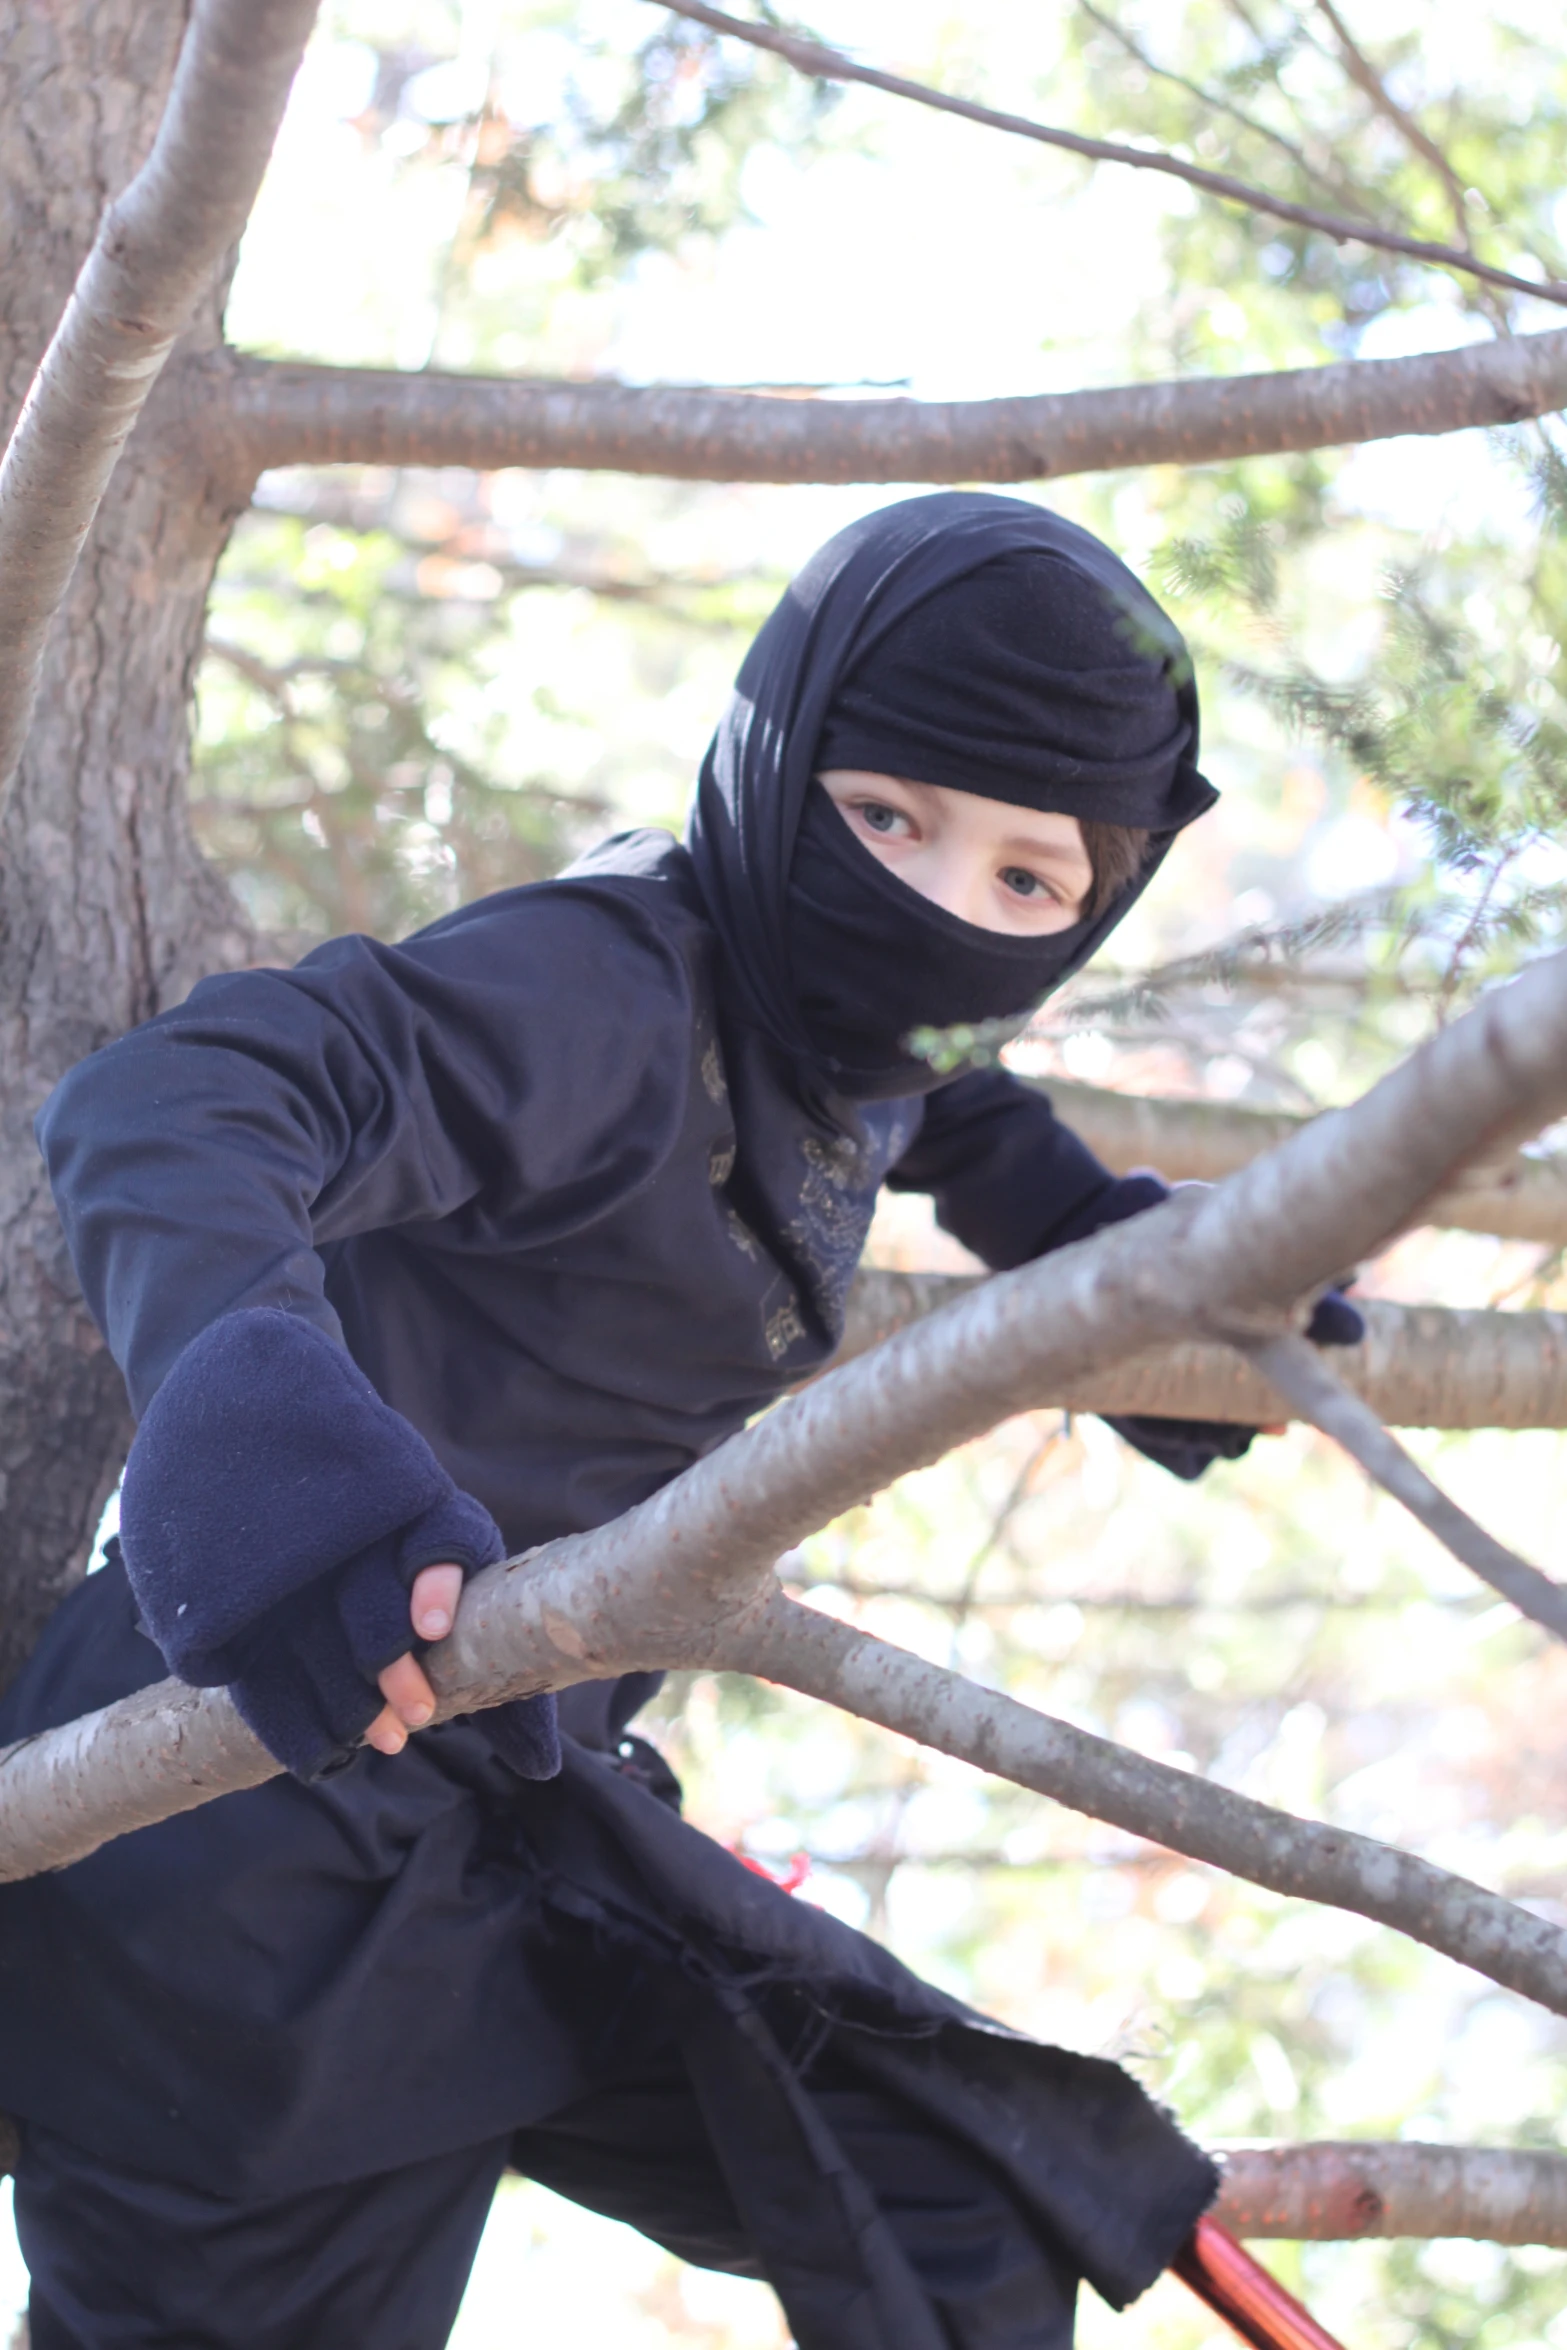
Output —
<point x="160" y="246"/>
<point x="107" y="910"/>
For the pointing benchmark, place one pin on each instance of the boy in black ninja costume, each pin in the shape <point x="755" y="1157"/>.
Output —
<point x="413" y="1256"/>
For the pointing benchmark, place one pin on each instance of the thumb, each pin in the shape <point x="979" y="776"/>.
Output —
<point x="432" y="1604"/>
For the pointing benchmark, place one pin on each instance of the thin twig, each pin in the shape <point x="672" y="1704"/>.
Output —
<point x="1370" y="83"/>
<point x="1130" y="1603"/>
<point x="1211" y="100"/>
<point x="824" y="64"/>
<point x="1299" y="1373"/>
<point x="159" y="246"/>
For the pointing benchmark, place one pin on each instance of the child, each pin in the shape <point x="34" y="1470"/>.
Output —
<point x="416" y="1255"/>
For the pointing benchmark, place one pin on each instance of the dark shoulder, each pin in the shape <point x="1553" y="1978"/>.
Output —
<point x="639" y="885"/>
<point x="620" y="931"/>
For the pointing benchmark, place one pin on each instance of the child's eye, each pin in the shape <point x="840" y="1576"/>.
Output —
<point x="1022" y="883"/>
<point x="878" y="817"/>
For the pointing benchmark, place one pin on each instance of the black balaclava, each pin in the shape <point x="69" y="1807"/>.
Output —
<point x="962" y="639"/>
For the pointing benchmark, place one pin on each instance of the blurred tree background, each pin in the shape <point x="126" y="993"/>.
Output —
<point x="422" y="686"/>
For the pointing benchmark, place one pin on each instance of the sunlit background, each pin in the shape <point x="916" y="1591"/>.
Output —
<point x="424" y="685"/>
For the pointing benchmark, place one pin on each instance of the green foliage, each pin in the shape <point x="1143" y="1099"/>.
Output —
<point x="425" y="686"/>
<point x="1355" y="1679"/>
<point x="392" y="724"/>
<point x="1454" y="713"/>
<point x="330" y="777"/>
<point x="1441" y="145"/>
<point x="654" y="159"/>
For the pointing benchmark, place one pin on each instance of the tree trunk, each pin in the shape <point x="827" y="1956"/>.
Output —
<point x="107" y="908"/>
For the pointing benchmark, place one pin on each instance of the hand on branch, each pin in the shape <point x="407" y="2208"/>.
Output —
<point x="283" y="1528"/>
<point x="688" y="1578"/>
<point x="410" y="1701"/>
<point x="1189" y="1447"/>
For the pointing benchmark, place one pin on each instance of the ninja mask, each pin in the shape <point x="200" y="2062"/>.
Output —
<point x="966" y="640"/>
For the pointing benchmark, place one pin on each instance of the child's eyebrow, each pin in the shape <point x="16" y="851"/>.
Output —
<point x="1058" y="852"/>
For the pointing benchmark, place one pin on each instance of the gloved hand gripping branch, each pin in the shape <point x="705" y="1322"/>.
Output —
<point x="1187" y="1447"/>
<point x="274" y="1515"/>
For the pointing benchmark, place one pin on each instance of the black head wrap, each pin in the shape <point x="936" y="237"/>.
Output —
<point x="1054" y="681"/>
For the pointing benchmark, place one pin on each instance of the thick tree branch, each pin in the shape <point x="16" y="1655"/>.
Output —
<point x="688" y="1577"/>
<point x="159" y="246"/>
<point x="1419" y="1366"/>
<point x="1327" y="2192"/>
<point x="1517" y="1198"/>
<point x="244" y="416"/>
<point x="824" y="64"/>
<point x="1299" y="1373"/>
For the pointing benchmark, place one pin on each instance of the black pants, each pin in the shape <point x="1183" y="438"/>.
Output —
<point x="123" y="2262"/>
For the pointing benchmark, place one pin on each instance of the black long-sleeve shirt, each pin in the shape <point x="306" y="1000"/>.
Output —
<point x="575" y="1223"/>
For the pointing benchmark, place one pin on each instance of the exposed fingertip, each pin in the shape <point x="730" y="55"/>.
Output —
<point x="417" y="1715"/>
<point x="434" y="1624"/>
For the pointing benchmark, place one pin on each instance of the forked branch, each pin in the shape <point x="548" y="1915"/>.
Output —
<point x="160" y="244"/>
<point x="687" y="1578"/>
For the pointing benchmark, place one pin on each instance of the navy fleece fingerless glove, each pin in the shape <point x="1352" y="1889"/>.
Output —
<point x="274" y="1515"/>
<point x="1187" y="1447"/>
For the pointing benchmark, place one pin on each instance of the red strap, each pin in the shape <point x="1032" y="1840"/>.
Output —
<point x="1241" y="2291"/>
<point x="791" y="1880"/>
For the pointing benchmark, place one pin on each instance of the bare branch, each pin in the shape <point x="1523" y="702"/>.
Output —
<point x="1419" y="1366"/>
<point x="1369" y="82"/>
<point x="827" y="1659"/>
<point x="1298" y="1371"/>
<point x="246" y="416"/>
<point x="1320" y="170"/>
<point x="687" y="1578"/>
<point x="1030" y="1594"/>
<point x="824" y="64"/>
<point x="1517" y="1198"/>
<point x="159" y="246"/>
<point x="1326" y="2192"/>
<point x="171" y="1748"/>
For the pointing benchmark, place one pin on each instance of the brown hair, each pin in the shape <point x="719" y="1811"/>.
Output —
<point x="1115" y="853"/>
